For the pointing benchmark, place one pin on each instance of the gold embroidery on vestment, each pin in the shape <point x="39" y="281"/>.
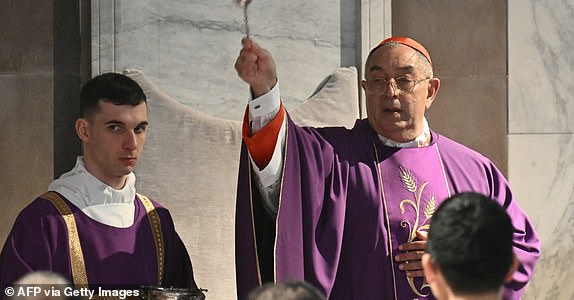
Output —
<point x="157" y="234"/>
<point x="79" y="274"/>
<point x="77" y="263"/>
<point x="428" y="210"/>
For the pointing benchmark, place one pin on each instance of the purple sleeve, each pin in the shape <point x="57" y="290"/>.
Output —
<point x="526" y="241"/>
<point x="471" y="171"/>
<point x="32" y="244"/>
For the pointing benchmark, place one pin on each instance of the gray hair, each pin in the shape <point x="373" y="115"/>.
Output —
<point x="422" y="61"/>
<point x="288" y="290"/>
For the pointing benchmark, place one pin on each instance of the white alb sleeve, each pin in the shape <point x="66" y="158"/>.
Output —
<point x="261" y="111"/>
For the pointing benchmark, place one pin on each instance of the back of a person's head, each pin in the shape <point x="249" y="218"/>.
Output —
<point x="40" y="285"/>
<point x="470" y="240"/>
<point x="112" y="87"/>
<point x="42" y="277"/>
<point x="288" y="290"/>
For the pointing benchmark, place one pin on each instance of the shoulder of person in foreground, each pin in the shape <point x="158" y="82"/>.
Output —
<point x="32" y="241"/>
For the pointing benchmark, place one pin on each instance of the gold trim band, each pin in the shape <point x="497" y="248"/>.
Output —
<point x="155" y="223"/>
<point x="78" y="265"/>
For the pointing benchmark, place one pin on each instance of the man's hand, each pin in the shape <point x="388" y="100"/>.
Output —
<point x="256" y="66"/>
<point x="411" y="254"/>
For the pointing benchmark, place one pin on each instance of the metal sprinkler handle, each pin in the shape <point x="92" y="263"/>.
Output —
<point x="244" y="4"/>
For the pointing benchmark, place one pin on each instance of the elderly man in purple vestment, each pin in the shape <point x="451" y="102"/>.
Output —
<point x="347" y="210"/>
<point x="92" y="227"/>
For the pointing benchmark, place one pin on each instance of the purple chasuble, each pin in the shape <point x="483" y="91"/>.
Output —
<point x="412" y="182"/>
<point x="114" y="257"/>
<point x="347" y="202"/>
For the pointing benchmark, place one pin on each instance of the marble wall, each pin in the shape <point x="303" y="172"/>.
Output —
<point x="541" y="133"/>
<point x="189" y="47"/>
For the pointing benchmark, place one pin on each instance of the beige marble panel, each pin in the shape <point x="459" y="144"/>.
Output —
<point x="26" y="94"/>
<point x="464" y="38"/>
<point x="472" y="111"/>
<point x="542" y="178"/>
<point x="25" y="41"/>
<point x="26" y="145"/>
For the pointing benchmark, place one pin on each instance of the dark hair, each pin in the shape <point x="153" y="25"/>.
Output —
<point x="288" y="290"/>
<point x="470" y="239"/>
<point x="111" y="87"/>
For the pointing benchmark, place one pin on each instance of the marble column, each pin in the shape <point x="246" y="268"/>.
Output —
<point x="39" y="82"/>
<point x="541" y="134"/>
<point x="26" y="147"/>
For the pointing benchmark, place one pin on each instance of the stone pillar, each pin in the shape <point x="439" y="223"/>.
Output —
<point x="467" y="43"/>
<point x="40" y="80"/>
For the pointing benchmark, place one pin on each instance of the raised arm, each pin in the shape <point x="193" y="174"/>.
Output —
<point x="256" y="66"/>
<point x="264" y="123"/>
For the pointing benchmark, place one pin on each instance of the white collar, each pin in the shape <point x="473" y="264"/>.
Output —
<point x="96" y="199"/>
<point x="420" y="141"/>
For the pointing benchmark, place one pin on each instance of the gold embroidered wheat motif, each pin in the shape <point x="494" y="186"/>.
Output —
<point x="410" y="184"/>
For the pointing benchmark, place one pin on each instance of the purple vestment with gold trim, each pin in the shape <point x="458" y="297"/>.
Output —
<point x="114" y="257"/>
<point x="347" y="202"/>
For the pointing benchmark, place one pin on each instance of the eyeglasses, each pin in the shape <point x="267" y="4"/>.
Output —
<point x="378" y="86"/>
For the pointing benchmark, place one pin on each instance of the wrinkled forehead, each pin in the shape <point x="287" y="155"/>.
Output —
<point x="393" y="60"/>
